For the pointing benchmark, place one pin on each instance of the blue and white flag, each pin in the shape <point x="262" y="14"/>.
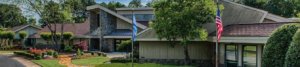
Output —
<point x="134" y="28"/>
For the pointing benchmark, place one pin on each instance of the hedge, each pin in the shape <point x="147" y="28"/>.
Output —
<point x="277" y="45"/>
<point x="293" y="54"/>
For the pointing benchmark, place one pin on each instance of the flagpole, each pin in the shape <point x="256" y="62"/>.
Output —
<point x="217" y="40"/>
<point x="132" y="39"/>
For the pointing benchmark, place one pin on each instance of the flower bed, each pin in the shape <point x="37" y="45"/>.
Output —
<point x="39" y="53"/>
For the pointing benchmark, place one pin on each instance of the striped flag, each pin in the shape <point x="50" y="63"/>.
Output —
<point x="219" y="24"/>
<point x="134" y="28"/>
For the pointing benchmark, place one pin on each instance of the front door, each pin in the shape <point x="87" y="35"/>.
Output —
<point x="241" y="55"/>
<point x="95" y="44"/>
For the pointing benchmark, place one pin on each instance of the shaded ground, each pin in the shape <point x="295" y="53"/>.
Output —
<point x="7" y="61"/>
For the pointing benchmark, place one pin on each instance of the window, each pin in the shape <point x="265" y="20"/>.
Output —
<point x="231" y="55"/>
<point x="140" y="17"/>
<point x="249" y="56"/>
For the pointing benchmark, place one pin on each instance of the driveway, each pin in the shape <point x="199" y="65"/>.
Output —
<point x="7" y="61"/>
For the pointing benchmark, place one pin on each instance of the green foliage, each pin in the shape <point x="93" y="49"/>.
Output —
<point x="68" y="48"/>
<point x="112" y="5"/>
<point x="68" y="35"/>
<point x="23" y="34"/>
<point x="78" y="9"/>
<point x="124" y="46"/>
<point x="293" y="54"/>
<point x="277" y="7"/>
<point x="179" y="19"/>
<point x="46" y="35"/>
<point x="79" y="53"/>
<point x="10" y="35"/>
<point x="11" y="15"/>
<point x="277" y="45"/>
<point x="135" y="4"/>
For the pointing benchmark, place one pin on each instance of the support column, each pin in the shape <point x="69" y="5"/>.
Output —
<point x="222" y="55"/>
<point x="259" y="54"/>
<point x="240" y="55"/>
<point x="89" y="45"/>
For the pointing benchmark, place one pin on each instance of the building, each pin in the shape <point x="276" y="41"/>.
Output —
<point x="246" y="30"/>
<point x="108" y="28"/>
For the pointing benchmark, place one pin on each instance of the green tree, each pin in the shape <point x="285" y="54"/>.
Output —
<point x="293" y="54"/>
<point x="178" y="19"/>
<point x="285" y="8"/>
<point x="10" y="16"/>
<point x="112" y="5"/>
<point x="135" y="4"/>
<point x="23" y="35"/>
<point x="278" y="7"/>
<point x="274" y="52"/>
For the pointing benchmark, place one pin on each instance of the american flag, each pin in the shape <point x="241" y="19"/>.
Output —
<point x="219" y="25"/>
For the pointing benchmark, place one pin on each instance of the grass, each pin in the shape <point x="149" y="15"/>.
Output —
<point x="137" y="65"/>
<point x="48" y="63"/>
<point x="9" y="51"/>
<point x="90" y="61"/>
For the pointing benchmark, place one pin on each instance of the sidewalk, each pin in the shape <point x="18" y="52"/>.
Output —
<point x="25" y="62"/>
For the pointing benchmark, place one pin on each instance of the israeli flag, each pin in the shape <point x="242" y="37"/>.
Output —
<point x="134" y="28"/>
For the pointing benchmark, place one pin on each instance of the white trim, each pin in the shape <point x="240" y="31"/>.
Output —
<point x="262" y="40"/>
<point x="115" y="14"/>
<point x="240" y="39"/>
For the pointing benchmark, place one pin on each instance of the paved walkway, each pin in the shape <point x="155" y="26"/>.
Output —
<point x="117" y="55"/>
<point x="15" y="61"/>
<point x="7" y="61"/>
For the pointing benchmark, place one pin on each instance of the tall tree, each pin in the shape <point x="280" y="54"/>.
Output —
<point x="112" y="5"/>
<point x="182" y="20"/>
<point x="10" y="16"/>
<point x="135" y="4"/>
<point x="286" y="8"/>
<point x="278" y="7"/>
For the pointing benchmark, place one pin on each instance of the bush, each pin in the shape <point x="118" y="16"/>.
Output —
<point x="68" y="35"/>
<point x="293" y="54"/>
<point x="122" y="60"/>
<point x="79" y="52"/>
<point x="24" y="54"/>
<point x="23" y="34"/>
<point x="125" y="46"/>
<point x="68" y="48"/>
<point x="277" y="45"/>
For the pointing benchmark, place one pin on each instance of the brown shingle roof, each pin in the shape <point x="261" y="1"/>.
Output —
<point x="78" y="29"/>
<point x="251" y="30"/>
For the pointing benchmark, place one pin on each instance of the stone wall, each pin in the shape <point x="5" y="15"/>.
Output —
<point x="108" y="25"/>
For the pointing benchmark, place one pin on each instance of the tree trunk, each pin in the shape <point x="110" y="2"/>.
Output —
<point x="62" y="36"/>
<point x="187" y="56"/>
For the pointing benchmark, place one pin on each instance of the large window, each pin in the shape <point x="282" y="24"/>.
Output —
<point x="249" y="56"/>
<point x="231" y="55"/>
<point x="140" y="17"/>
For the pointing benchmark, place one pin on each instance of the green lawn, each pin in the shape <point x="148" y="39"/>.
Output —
<point x="90" y="61"/>
<point x="9" y="51"/>
<point x="137" y="65"/>
<point x="48" y="63"/>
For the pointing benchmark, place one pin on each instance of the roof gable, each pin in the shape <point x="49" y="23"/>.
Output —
<point x="114" y="14"/>
<point x="18" y="28"/>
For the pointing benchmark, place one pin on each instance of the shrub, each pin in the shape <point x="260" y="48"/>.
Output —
<point x="55" y="54"/>
<point x="23" y="34"/>
<point x="68" y="48"/>
<point x="293" y="54"/>
<point x="24" y="54"/>
<point x="124" y="46"/>
<point x="68" y="35"/>
<point x="122" y="60"/>
<point x="277" y="45"/>
<point x="79" y="53"/>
